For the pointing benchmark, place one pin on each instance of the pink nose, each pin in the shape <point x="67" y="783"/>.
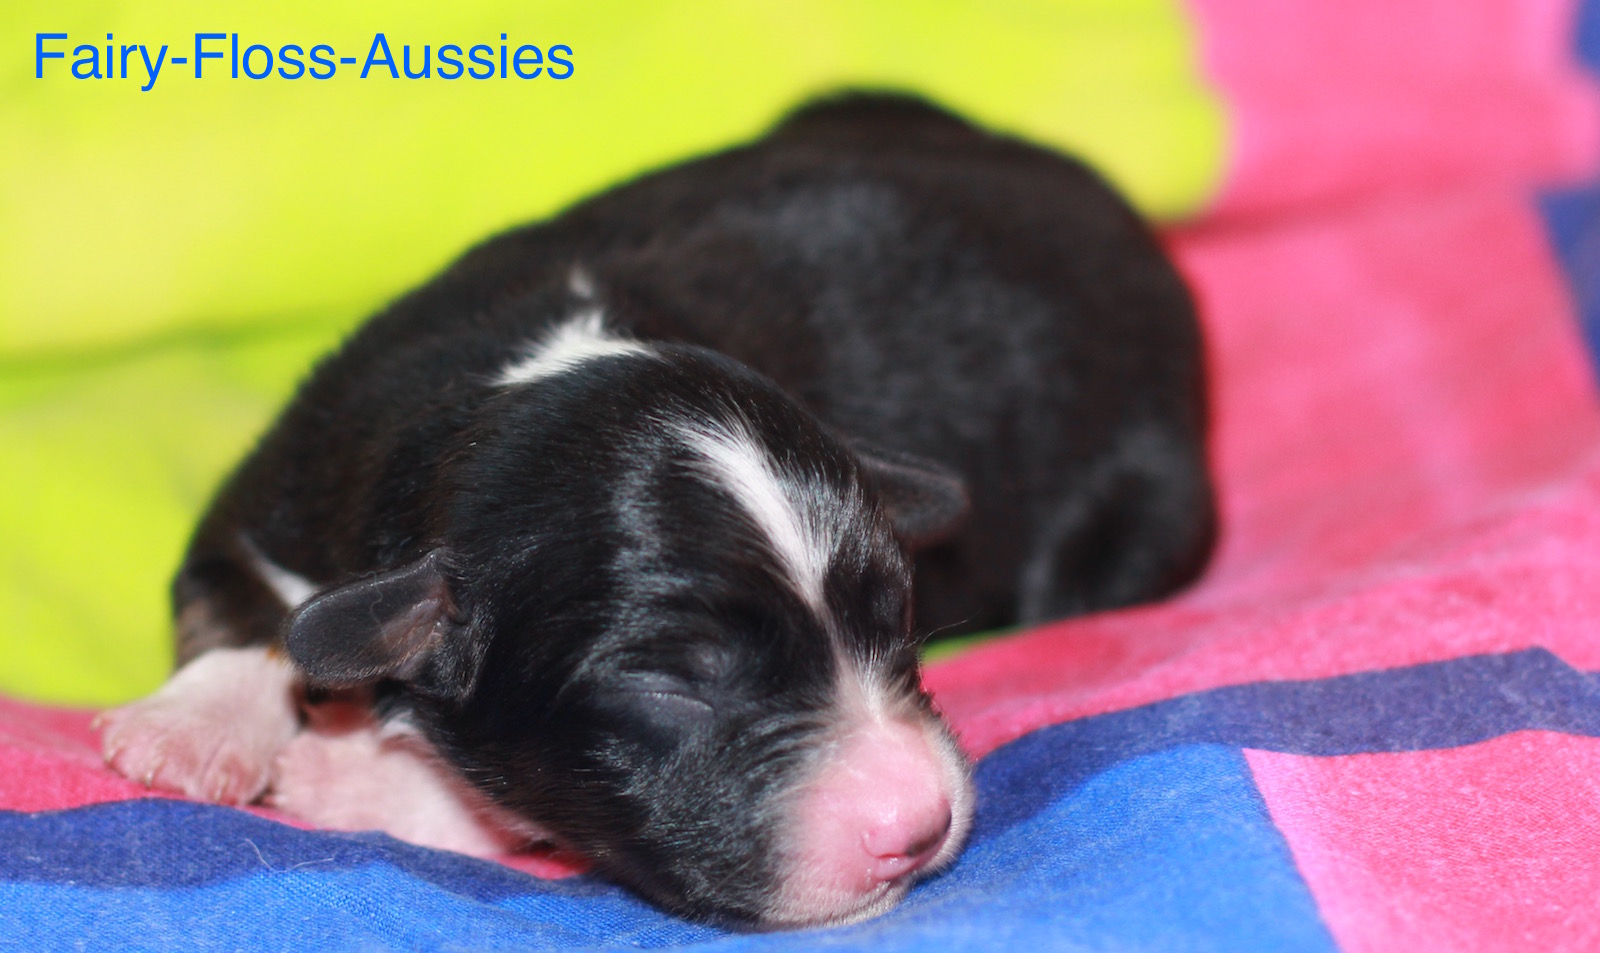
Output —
<point x="909" y="841"/>
<point x="879" y="811"/>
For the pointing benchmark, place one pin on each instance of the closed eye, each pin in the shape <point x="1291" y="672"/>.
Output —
<point x="679" y="704"/>
<point x="655" y="683"/>
<point x="665" y="700"/>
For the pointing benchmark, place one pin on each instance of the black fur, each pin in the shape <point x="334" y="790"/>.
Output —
<point x="976" y="334"/>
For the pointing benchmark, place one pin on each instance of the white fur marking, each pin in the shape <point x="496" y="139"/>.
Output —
<point x="347" y="771"/>
<point x="291" y="589"/>
<point x="582" y="338"/>
<point x="580" y="282"/>
<point x="737" y="462"/>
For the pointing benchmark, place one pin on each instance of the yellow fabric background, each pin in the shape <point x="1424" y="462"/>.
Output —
<point x="171" y="261"/>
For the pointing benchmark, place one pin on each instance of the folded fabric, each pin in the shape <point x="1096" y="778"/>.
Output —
<point x="1370" y="725"/>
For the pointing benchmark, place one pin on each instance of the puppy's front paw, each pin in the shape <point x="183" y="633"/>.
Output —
<point x="212" y="731"/>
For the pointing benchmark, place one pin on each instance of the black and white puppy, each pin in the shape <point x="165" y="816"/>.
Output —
<point x="612" y="526"/>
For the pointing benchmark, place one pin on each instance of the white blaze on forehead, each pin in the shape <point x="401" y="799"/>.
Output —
<point x="801" y="538"/>
<point x="581" y="338"/>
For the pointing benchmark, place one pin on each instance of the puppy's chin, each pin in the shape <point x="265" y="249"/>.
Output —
<point x="805" y="904"/>
<point x="836" y="909"/>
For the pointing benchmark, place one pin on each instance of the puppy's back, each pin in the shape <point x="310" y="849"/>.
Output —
<point x="920" y="285"/>
<point x="933" y="289"/>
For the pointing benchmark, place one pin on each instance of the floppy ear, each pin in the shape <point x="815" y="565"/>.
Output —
<point x="926" y="502"/>
<point x="399" y="625"/>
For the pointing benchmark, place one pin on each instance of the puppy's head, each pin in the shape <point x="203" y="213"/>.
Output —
<point x="668" y="617"/>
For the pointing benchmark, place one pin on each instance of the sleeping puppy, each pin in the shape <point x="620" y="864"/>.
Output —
<point x="625" y="532"/>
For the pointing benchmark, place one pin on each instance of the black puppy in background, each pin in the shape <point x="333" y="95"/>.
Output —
<point x="626" y="530"/>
